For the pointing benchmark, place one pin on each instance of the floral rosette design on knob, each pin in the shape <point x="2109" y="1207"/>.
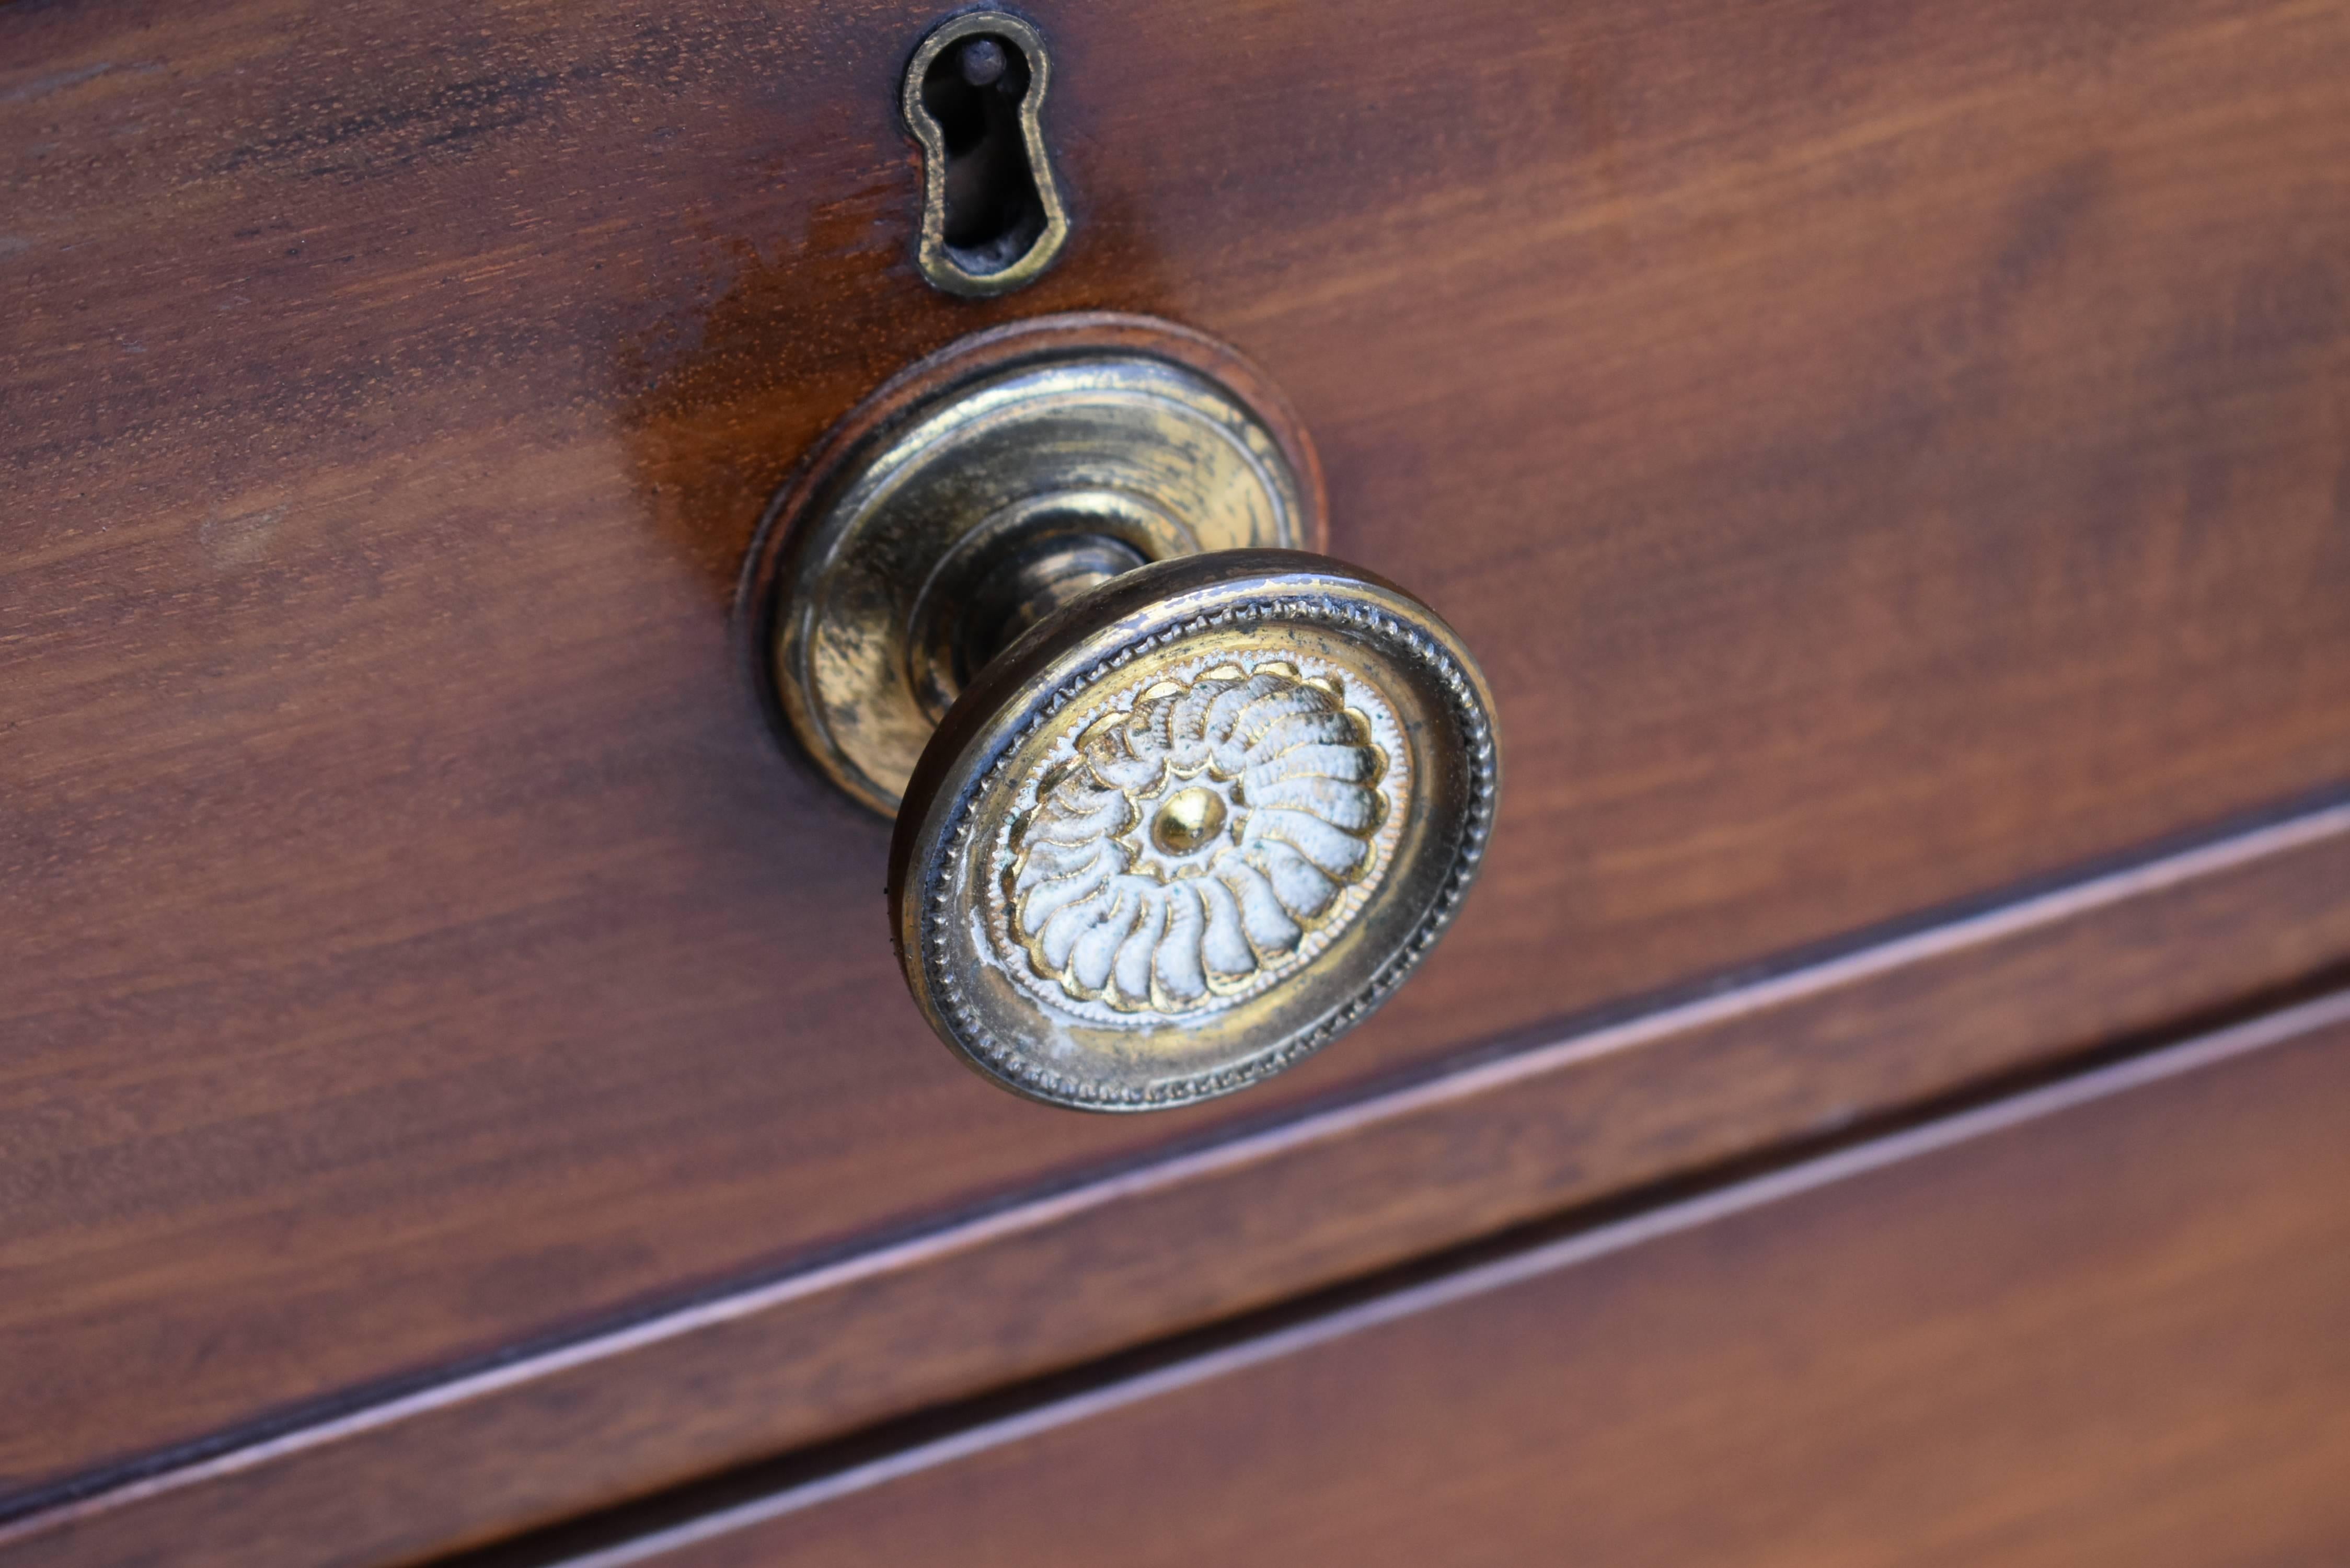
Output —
<point x="1202" y="843"/>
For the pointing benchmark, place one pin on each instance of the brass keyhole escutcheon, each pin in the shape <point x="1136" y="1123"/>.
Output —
<point x="1178" y="801"/>
<point x="973" y="98"/>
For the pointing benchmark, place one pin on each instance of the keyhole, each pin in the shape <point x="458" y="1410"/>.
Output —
<point x="974" y="91"/>
<point x="992" y="217"/>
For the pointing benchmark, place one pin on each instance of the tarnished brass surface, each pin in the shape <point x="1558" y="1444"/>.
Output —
<point x="1177" y="803"/>
<point x="986" y="486"/>
<point x="947" y="265"/>
<point x="1190" y="828"/>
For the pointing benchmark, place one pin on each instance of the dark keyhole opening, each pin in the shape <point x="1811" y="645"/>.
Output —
<point x="994" y="214"/>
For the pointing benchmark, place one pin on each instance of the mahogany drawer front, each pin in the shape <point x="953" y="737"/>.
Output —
<point x="2107" y="1322"/>
<point x="421" y="955"/>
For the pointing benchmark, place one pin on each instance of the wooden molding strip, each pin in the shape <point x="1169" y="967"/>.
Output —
<point x="748" y="1529"/>
<point x="1076" y="1274"/>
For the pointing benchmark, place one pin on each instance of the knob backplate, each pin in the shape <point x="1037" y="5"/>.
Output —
<point x="1095" y="430"/>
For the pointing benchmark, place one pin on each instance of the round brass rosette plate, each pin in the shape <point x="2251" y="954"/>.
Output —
<point x="1190" y="828"/>
<point x="1125" y="436"/>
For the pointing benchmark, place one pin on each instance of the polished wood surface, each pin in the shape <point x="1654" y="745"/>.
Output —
<point x="1881" y="454"/>
<point x="2106" y="1323"/>
<point x="1046" y="1283"/>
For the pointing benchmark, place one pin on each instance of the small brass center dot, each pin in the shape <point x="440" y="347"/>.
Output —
<point x="1187" y="821"/>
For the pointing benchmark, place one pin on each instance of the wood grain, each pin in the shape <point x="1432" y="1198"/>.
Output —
<point x="1180" y="1241"/>
<point x="2107" y="1322"/>
<point x="1882" y="453"/>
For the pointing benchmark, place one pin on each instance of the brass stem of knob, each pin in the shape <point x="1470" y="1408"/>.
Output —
<point x="1030" y="583"/>
<point x="1178" y="803"/>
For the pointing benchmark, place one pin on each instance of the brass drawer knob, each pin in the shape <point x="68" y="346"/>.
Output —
<point x="1178" y="803"/>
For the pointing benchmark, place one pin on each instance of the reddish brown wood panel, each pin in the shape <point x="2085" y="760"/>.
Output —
<point x="1881" y="451"/>
<point x="2108" y="1322"/>
<point x="1243" y="1223"/>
